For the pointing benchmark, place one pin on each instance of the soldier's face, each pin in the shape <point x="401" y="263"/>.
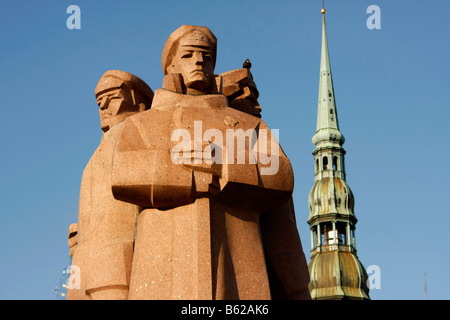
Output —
<point x="112" y="104"/>
<point x="195" y="63"/>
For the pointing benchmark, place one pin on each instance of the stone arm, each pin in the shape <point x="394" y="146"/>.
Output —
<point x="103" y="255"/>
<point x="143" y="173"/>
<point x="109" y="270"/>
<point x="268" y="182"/>
<point x="77" y="289"/>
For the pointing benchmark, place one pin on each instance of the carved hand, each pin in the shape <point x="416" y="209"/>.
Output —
<point x="199" y="158"/>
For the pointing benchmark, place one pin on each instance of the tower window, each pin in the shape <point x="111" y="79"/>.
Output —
<point x="334" y="163"/>
<point x="352" y="237"/>
<point x="341" y="230"/>
<point x="315" y="242"/>
<point x="327" y="233"/>
<point x="325" y="163"/>
<point x="331" y="111"/>
<point x="317" y="165"/>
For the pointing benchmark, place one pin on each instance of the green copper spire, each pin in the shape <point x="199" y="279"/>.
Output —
<point x="335" y="270"/>
<point x="327" y="132"/>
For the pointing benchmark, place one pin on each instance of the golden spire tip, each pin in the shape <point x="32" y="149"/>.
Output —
<point x="323" y="10"/>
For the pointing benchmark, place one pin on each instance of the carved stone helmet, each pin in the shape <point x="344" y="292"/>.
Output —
<point x="113" y="79"/>
<point x="202" y="35"/>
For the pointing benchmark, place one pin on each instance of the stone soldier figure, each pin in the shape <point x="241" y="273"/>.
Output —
<point x="286" y="263"/>
<point x="199" y="234"/>
<point x="106" y="226"/>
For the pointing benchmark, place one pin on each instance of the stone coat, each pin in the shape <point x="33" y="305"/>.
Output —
<point x="106" y="228"/>
<point x="198" y="234"/>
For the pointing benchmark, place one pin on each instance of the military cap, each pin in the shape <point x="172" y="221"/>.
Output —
<point x="201" y="35"/>
<point x="115" y="78"/>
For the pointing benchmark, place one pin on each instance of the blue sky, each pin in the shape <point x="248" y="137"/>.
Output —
<point x="392" y="96"/>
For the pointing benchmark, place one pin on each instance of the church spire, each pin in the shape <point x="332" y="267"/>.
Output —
<point x="327" y="131"/>
<point x="335" y="270"/>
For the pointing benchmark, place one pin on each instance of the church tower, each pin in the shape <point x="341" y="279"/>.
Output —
<point x="335" y="271"/>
